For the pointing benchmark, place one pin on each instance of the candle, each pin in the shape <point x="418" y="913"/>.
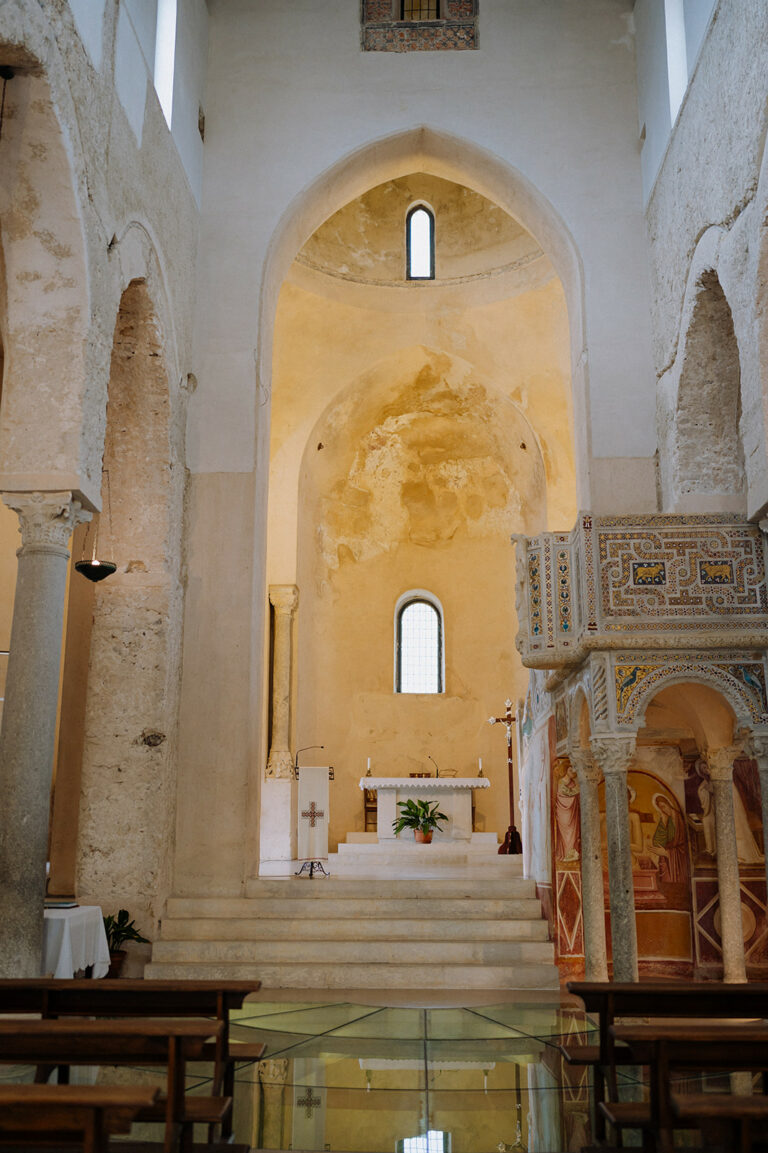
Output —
<point x="369" y="762"/>
<point x="480" y="763"/>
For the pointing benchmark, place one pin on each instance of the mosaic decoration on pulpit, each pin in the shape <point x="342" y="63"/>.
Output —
<point x="639" y="675"/>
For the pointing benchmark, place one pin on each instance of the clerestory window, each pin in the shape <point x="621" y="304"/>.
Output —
<point x="420" y="10"/>
<point x="420" y="244"/>
<point x="419" y="657"/>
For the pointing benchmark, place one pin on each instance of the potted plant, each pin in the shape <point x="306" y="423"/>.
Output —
<point x="120" y="929"/>
<point x="421" y="816"/>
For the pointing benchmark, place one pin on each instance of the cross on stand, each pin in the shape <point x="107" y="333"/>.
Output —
<point x="512" y="839"/>
<point x="309" y="1103"/>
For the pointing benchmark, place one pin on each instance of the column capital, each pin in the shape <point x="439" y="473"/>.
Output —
<point x="613" y="753"/>
<point x="47" y="519"/>
<point x="585" y="767"/>
<point x="720" y="761"/>
<point x="273" y="1071"/>
<point x="284" y="598"/>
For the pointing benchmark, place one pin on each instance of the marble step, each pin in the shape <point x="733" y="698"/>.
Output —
<point x="317" y="974"/>
<point x="324" y="888"/>
<point x="348" y="929"/>
<point x="417" y="907"/>
<point x="398" y="951"/>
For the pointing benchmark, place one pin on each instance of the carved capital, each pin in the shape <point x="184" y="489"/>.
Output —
<point x="720" y="761"/>
<point x="585" y="767"/>
<point x="613" y="754"/>
<point x="280" y="765"/>
<point x="273" y="1071"/>
<point x="284" y="598"/>
<point x="47" y="519"/>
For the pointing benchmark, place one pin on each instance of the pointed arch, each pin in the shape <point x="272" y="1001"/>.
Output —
<point x="452" y="158"/>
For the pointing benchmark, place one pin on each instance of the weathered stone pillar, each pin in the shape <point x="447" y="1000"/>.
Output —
<point x="720" y="762"/>
<point x="273" y="1077"/>
<point x="592" y="900"/>
<point x="613" y="755"/>
<point x="29" y="721"/>
<point x="757" y="747"/>
<point x="284" y="599"/>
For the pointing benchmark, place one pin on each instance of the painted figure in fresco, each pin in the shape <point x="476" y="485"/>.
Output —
<point x="705" y="793"/>
<point x="669" y="840"/>
<point x="747" y="849"/>
<point x="636" y="846"/>
<point x="568" y="817"/>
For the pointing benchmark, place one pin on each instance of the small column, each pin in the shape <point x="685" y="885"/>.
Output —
<point x="613" y="755"/>
<point x="29" y="721"/>
<point x="720" y="762"/>
<point x="284" y="599"/>
<point x="757" y="747"/>
<point x="272" y="1079"/>
<point x="592" y="900"/>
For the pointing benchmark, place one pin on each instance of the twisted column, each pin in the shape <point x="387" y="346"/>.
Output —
<point x="613" y="755"/>
<point x="756" y="745"/>
<point x="47" y="520"/>
<point x="720" y="763"/>
<point x="284" y="599"/>
<point x="592" y="901"/>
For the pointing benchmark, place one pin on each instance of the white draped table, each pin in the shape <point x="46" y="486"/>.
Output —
<point x="73" y="939"/>
<point x="454" y="795"/>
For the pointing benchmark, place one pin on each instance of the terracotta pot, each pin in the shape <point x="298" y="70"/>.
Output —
<point x="422" y="838"/>
<point x="116" y="960"/>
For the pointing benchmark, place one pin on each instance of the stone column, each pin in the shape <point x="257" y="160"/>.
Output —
<point x="757" y="747"/>
<point x="613" y="755"/>
<point x="284" y="599"/>
<point x="29" y="721"/>
<point x="273" y="1077"/>
<point x="720" y="762"/>
<point x="592" y="900"/>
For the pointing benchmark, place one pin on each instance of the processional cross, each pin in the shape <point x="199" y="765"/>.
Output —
<point x="515" y="841"/>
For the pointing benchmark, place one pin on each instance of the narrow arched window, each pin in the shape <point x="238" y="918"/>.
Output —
<point x="420" y="244"/>
<point x="419" y="645"/>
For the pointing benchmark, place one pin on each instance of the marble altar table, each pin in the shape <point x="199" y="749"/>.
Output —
<point x="454" y="795"/>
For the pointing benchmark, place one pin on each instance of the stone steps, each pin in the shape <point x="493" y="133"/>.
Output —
<point x="348" y="929"/>
<point x="308" y="974"/>
<point x="435" y="932"/>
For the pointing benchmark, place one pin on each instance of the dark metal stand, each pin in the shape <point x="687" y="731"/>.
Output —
<point x="312" y="866"/>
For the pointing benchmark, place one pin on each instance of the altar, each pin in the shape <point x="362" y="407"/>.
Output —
<point x="453" y="794"/>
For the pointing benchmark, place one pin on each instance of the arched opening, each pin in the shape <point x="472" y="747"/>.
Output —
<point x="122" y="668"/>
<point x="412" y="431"/>
<point x="708" y="453"/>
<point x="673" y="840"/>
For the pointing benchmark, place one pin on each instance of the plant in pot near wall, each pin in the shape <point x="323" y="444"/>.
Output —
<point x="120" y="929"/>
<point x="421" y="816"/>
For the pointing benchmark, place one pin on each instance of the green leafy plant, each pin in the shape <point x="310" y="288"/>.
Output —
<point x="119" y="930"/>
<point x="421" y="815"/>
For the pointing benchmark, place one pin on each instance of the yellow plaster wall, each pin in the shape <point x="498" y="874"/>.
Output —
<point x="414" y="428"/>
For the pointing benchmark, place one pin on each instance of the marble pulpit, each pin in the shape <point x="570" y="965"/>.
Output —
<point x="453" y="794"/>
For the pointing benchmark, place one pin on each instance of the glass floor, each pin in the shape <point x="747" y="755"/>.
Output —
<point x="374" y="1078"/>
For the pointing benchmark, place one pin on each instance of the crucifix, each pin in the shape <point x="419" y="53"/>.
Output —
<point x="312" y="814"/>
<point x="512" y="839"/>
<point x="309" y="1102"/>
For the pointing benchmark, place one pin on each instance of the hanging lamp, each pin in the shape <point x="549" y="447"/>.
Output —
<point x="97" y="570"/>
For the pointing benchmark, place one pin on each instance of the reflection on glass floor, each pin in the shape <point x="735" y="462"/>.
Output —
<point x="361" y="1079"/>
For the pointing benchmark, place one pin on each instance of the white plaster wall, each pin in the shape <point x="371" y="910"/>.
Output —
<point x="189" y="88"/>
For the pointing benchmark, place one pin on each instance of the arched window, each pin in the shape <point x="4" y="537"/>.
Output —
<point x="420" y="244"/>
<point x="419" y="658"/>
<point x="420" y="10"/>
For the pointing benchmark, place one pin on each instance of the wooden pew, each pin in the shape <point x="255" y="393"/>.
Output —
<point x="70" y="1116"/>
<point x="668" y="1048"/>
<point x="727" y="1122"/>
<point x="144" y="998"/>
<point x="611" y="999"/>
<point x="168" y="1043"/>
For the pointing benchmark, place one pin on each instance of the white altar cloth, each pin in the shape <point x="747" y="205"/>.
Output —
<point x="73" y="939"/>
<point x="454" y="795"/>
